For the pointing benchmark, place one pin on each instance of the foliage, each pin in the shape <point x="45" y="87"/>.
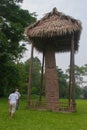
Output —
<point x="78" y="91"/>
<point x="9" y="77"/>
<point x="80" y="74"/>
<point x="13" y="20"/>
<point x="36" y="74"/>
<point x="85" y="92"/>
<point x="63" y="85"/>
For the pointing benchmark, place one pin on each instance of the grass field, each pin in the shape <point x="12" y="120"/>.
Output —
<point x="26" y="119"/>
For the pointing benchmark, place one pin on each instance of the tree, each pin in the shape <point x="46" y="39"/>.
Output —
<point x="80" y="72"/>
<point x="85" y="92"/>
<point x="36" y="74"/>
<point x="13" y="20"/>
<point x="63" y="85"/>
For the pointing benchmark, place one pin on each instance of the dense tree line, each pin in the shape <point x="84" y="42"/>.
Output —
<point x="63" y="80"/>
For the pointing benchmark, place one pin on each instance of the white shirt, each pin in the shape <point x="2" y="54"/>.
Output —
<point x="13" y="98"/>
<point x="18" y="94"/>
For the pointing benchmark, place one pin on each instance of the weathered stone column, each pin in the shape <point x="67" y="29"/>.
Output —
<point x="52" y="91"/>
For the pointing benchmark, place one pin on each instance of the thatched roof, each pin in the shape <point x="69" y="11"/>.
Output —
<point x="54" y="30"/>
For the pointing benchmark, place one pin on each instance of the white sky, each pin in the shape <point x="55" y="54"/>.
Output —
<point x="74" y="8"/>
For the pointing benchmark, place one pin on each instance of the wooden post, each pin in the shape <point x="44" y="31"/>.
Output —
<point x="30" y="77"/>
<point x="70" y="84"/>
<point x="72" y="77"/>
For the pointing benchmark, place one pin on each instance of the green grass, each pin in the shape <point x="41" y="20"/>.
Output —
<point x="26" y="119"/>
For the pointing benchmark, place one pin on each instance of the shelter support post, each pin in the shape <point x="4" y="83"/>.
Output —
<point x="52" y="91"/>
<point x="72" y="77"/>
<point x="30" y="78"/>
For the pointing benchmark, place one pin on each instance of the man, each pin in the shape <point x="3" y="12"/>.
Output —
<point x="19" y="95"/>
<point x="12" y="100"/>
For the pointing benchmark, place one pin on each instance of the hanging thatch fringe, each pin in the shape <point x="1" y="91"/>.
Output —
<point x="53" y="21"/>
<point x="54" y="25"/>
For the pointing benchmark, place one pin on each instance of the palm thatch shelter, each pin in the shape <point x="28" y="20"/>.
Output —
<point x="56" y="33"/>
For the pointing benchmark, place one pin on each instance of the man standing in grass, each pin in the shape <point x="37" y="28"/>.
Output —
<point x="12" y="100"/>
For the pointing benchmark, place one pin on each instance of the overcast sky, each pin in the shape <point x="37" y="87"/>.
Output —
<point x="74" y="8"/>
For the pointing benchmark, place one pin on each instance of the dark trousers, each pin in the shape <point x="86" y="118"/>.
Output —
<point x="17" y="106"/>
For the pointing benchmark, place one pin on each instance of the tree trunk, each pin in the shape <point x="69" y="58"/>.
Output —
<point x="52" y="90"/>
